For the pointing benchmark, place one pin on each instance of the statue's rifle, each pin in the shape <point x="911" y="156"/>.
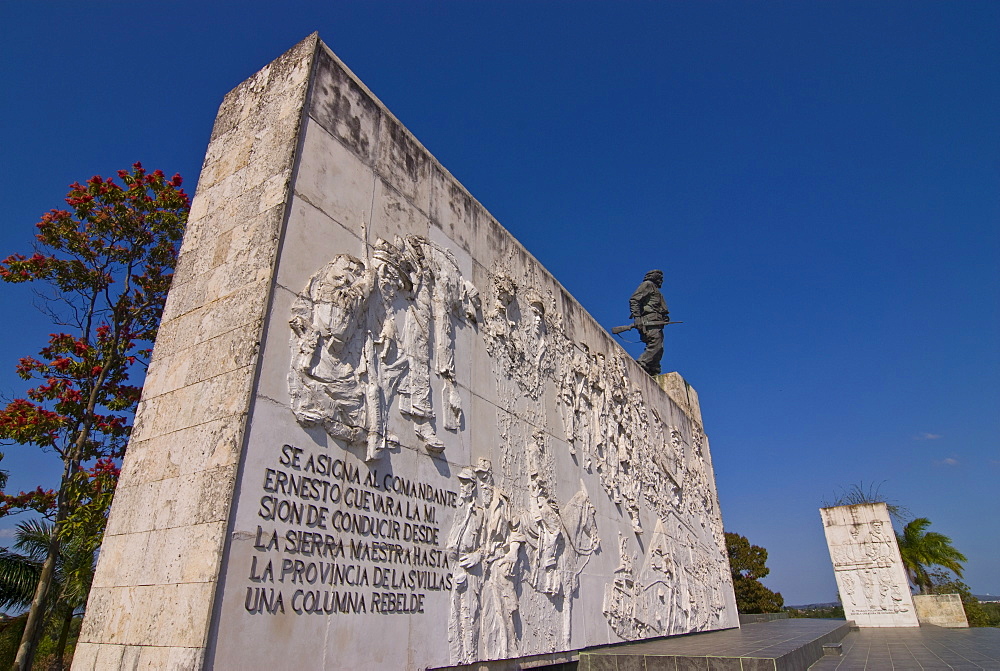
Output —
<point x="639" y="323"/>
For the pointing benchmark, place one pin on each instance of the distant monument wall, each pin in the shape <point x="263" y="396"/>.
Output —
<point x="867" y="565"/>
<point x="942" y="610"/>
<point x="376" y="433"/>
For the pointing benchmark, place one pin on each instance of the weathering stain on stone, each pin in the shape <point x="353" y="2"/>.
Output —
<point x="342" y="107"/>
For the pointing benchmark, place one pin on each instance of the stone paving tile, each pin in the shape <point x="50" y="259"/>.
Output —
<point x="914" y="649"/>
<point x="765" y="647"/>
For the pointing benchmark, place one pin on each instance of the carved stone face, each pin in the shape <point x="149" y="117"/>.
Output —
<point x="467" y="489"/>
<point x="505" y="289"/>
<point x="389" y="281"/>
<point x="484" y="477"/>
<point x="339" y="277"/>
<point x="337" y="297"/>
<point x="467" y="484"/>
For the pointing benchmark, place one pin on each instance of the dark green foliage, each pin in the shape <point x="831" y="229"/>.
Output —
<point x="828" y="612"/>
<point x="992" y="611"/>
<point x="57" y="644"/>
<point x="19" y="573"/>
<point x="748" y="565"/>
<point x="921" y="549"/>
<point x="18" y="577"/>
<point x="11" y="630"/>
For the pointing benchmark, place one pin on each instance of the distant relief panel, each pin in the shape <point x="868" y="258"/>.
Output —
<point x="867" y="565"/>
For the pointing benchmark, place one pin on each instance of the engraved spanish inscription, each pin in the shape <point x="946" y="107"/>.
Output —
<point x="334" y="537"/>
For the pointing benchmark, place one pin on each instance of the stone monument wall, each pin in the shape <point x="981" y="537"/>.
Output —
<point x="866" y="563"/>
<point x="378" y="434"/>
<point x="943" y="610"/>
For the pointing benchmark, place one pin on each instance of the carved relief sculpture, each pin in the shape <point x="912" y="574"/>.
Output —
<point x="374" y="338"/>
<point x="364" y="335"/>
<point x="420" y="436"/>
<point x="867" y="565"/>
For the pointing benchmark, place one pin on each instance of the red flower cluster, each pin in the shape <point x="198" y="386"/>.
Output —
<point x="104" y="467"/>
<point x="25" y="422"/>
<point x="40" y="500"/>
<point x="82" y="200"/>
<point x="110" y="256"/>
<point x="18" y="267"/>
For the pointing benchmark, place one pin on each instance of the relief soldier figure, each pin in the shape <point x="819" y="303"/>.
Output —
<point x="649" y="310"/>
<point x="465" y="541"/>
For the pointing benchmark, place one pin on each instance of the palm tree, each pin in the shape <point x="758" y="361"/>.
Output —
<point x="921" y="549"/>
<point x="19" y="573"/>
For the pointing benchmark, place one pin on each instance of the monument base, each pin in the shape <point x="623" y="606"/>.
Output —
<point x="781" y="644"/>
<point x="558" y="661"/>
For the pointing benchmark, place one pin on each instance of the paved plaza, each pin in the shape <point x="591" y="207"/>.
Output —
<point x="798" y="644"/>
<point x="927" y="647"/>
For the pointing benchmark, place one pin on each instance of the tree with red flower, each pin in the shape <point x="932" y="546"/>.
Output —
<point x="106" y="263"/>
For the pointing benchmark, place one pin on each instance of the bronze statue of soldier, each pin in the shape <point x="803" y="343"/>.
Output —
<point x="648" y="309"/>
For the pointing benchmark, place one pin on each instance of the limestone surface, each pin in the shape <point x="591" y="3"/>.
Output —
<point x="867" y="565"/>
<point x="942" y="610"/>
<point x="389" y="437"/>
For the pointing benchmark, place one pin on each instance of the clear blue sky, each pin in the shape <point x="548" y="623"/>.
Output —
<point x="819" y="180"/>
